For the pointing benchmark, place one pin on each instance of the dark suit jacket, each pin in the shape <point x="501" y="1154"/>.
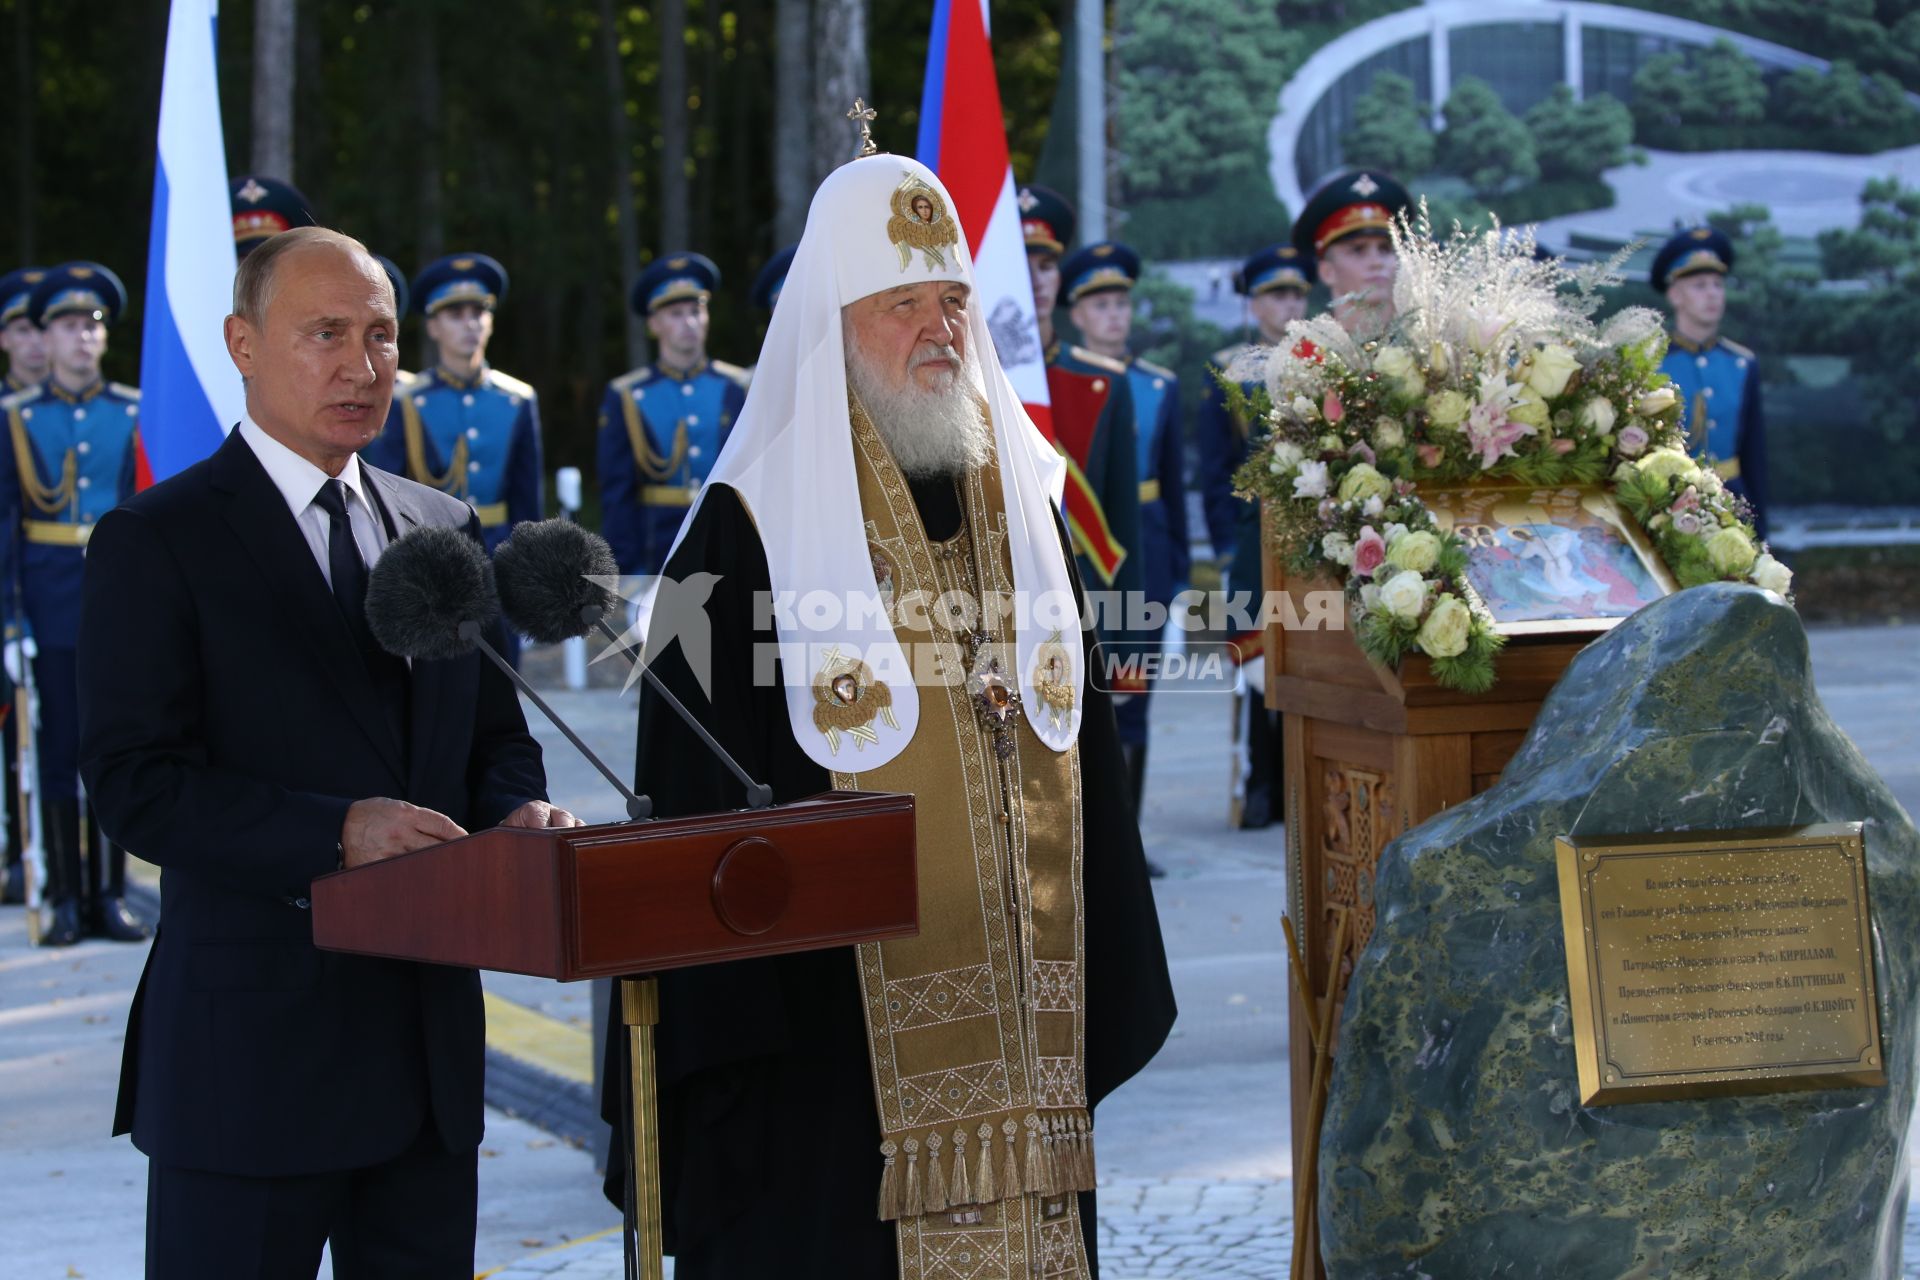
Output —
<point x="227" y="723"/>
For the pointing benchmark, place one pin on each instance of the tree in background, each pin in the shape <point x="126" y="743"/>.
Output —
<point x="1579" y="140"/>
<point x="1663" y="92"/>
<point x="1390" y="129"/>
<point x="1484" y="142"/>
<point x="1842" y="99"/>
<point x="1730" y="84"/>
<point x="1886" y="244"/>
<point x="1195" y="89"/>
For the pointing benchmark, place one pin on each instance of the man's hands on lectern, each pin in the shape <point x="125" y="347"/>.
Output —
<point x="381" y="827"/>
<point x="538" y="813"/>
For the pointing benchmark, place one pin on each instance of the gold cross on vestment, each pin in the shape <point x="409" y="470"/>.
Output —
<point x="864" y="116"/>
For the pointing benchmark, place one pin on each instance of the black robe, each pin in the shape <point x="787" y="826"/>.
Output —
<point x="769" y="1133"/>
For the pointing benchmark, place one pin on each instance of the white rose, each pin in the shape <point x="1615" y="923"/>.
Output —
<point x="1373" y="506"/>
<point x="1304" y="408"/>
<point x="1388" y="434"/>
<point x="1404" y="595"/>
<point x="1445" y="632"/>
<point x="1771" y="574"/>
<point x="1598" y="415"/>
<point x="1337" y="547"/>
<point x="1312" y="480"/>
<point x="1286" y="456"/>
<point x="1553" y="367"/>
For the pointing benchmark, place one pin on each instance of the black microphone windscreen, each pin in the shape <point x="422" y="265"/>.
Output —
<point x="425" y="585"/>
<point x="545" y="570"/>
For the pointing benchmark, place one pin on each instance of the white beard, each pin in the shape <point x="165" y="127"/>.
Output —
<point x="930" y="433"/>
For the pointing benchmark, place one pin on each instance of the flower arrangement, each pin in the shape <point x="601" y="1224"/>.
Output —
<point x="1494" y="370"/>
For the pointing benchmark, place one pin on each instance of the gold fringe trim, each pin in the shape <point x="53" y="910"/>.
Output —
<point x="1058" y="1160"/>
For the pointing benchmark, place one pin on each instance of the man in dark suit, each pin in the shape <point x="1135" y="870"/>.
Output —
<point x="240" y="728"/>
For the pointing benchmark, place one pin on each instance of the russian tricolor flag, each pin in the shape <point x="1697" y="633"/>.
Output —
<point x="190" y="393"/>
<point x="963" y="138"/>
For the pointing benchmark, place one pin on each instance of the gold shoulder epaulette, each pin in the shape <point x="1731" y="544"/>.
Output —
<point x="732" y="373"/>
<point x="18" y="398"/>
<point x="512" y="385"/>
<point x="123" y="390"/>
<point x="1157" y="370"/>
<point x="1745" y="353"/>
<point x="632" y="378"/>
<point x="1223" y="358"/>
<point x="1097" y="360"/>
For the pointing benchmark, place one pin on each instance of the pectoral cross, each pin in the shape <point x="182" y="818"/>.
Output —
<point x="864" y="116"/>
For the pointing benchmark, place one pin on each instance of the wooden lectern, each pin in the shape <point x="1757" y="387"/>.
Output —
<point x="1370" y="752"/>
<point x="637" y="898"/>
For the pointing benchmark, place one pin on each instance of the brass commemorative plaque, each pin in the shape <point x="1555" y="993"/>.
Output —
<point x="1702" y="964"/>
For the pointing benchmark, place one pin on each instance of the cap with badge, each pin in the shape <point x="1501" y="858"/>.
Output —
<point x="398" y="279"/>
<point x="767" y="285"/>
<point x="264" y="207"/>
<point x="77" y="288"/>
<point x="16" y="289"/>
<point x="1098" y="268"/>
<point x="460" y="278"/>
<point x="1047" y="221"/>
<point x="1689" y="253"/>
<point x="1353" y="202"/>
<point x="1275" y="269"/>
<point x="678" y="277"/>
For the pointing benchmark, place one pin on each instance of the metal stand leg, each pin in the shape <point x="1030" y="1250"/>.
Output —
<point x="640" y="1011"/>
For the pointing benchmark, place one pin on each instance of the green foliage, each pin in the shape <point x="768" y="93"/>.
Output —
<point x="1729" y="84"/>
<point x="1473" y="670"/>
<point x="1485" y="143"/>
<point x="1545" y="200"/>
<point x="1882" y="37"/>
<point x="1885" y="245"/>
<point x="1579" y="140"/>
<point x="1237" y="216"/>
<point x="1390" y="129"/>
<point x="1716" y="99"/>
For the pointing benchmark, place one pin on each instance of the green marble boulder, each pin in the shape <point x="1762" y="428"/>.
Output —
<point x="1455" y="1144"/>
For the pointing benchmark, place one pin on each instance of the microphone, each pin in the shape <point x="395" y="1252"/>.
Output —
<point x="550" y="575"/>
<point x="429" y="598"/>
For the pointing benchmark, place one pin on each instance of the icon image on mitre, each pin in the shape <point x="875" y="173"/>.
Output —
<point x="847" y="700"/>
<point x="920" y="221"/>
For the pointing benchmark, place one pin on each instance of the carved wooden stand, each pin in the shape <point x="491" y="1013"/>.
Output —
<point x="1371" y="752"/>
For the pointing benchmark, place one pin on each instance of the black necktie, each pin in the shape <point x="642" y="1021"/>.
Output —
<point x="349" y="576"/>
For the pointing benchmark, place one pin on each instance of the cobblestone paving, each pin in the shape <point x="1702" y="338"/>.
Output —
<point x="1184" y="1229"/>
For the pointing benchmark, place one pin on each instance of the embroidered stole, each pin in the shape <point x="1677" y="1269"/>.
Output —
<point x="976" y="1028"/>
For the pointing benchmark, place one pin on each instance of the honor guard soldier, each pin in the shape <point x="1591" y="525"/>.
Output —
<point x="765" y="293"/>
<point x="1344" y="230"/>
<point x="262" y="208"/>
<point x="1099" y="280"/>
<point x="1047" y="222"/>
<point x="462" y="426"/>
<point x="1717" y="378"/>
<point x="662" y="425"/>
<point x="69" y="461"/>
<point x="1275" y="282"/>
<point x="26" y="350"/>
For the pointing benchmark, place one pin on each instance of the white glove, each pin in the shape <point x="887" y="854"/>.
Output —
<point x="19" y="653"/>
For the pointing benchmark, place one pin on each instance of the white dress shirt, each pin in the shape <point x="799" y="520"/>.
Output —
<point x="299" y="481"/>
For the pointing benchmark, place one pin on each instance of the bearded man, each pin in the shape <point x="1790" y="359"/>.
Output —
<point x="923" y="1107"/>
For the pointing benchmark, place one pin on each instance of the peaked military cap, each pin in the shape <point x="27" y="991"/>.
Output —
<point x="1352" y="202"/>
<point x="674" y="277"/>
<point x="1690" y="252"/>
<point x="16" y="290"/>
<point x="1274" y="268"/>
<point x="1098" y="268"/>
<point x="398" y="279"/>
<point x="772" y="278"/>
<point x="264" y="207"/>
<point x="77" y="288"/>
<point x="457" y="278"/>
<point x="1046" y="219"/>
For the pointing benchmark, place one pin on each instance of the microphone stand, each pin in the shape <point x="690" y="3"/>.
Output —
<point x="638" y="806"/>
<point x="759" y="794"/>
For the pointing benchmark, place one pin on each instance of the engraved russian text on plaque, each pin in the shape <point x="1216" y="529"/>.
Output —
<point x="1709" y="963"/>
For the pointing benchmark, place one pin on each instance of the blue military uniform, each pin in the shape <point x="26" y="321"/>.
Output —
<point x="1233" y="525"/>
<point x="263" y="207"/>
<point x="16" y="290"/>
<point x="661" y="428"/>
<point x="69" y="459"/>
<point x="1718" y="382"/>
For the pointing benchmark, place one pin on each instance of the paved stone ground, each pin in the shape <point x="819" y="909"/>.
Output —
<point x="1194" y="1152"/>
